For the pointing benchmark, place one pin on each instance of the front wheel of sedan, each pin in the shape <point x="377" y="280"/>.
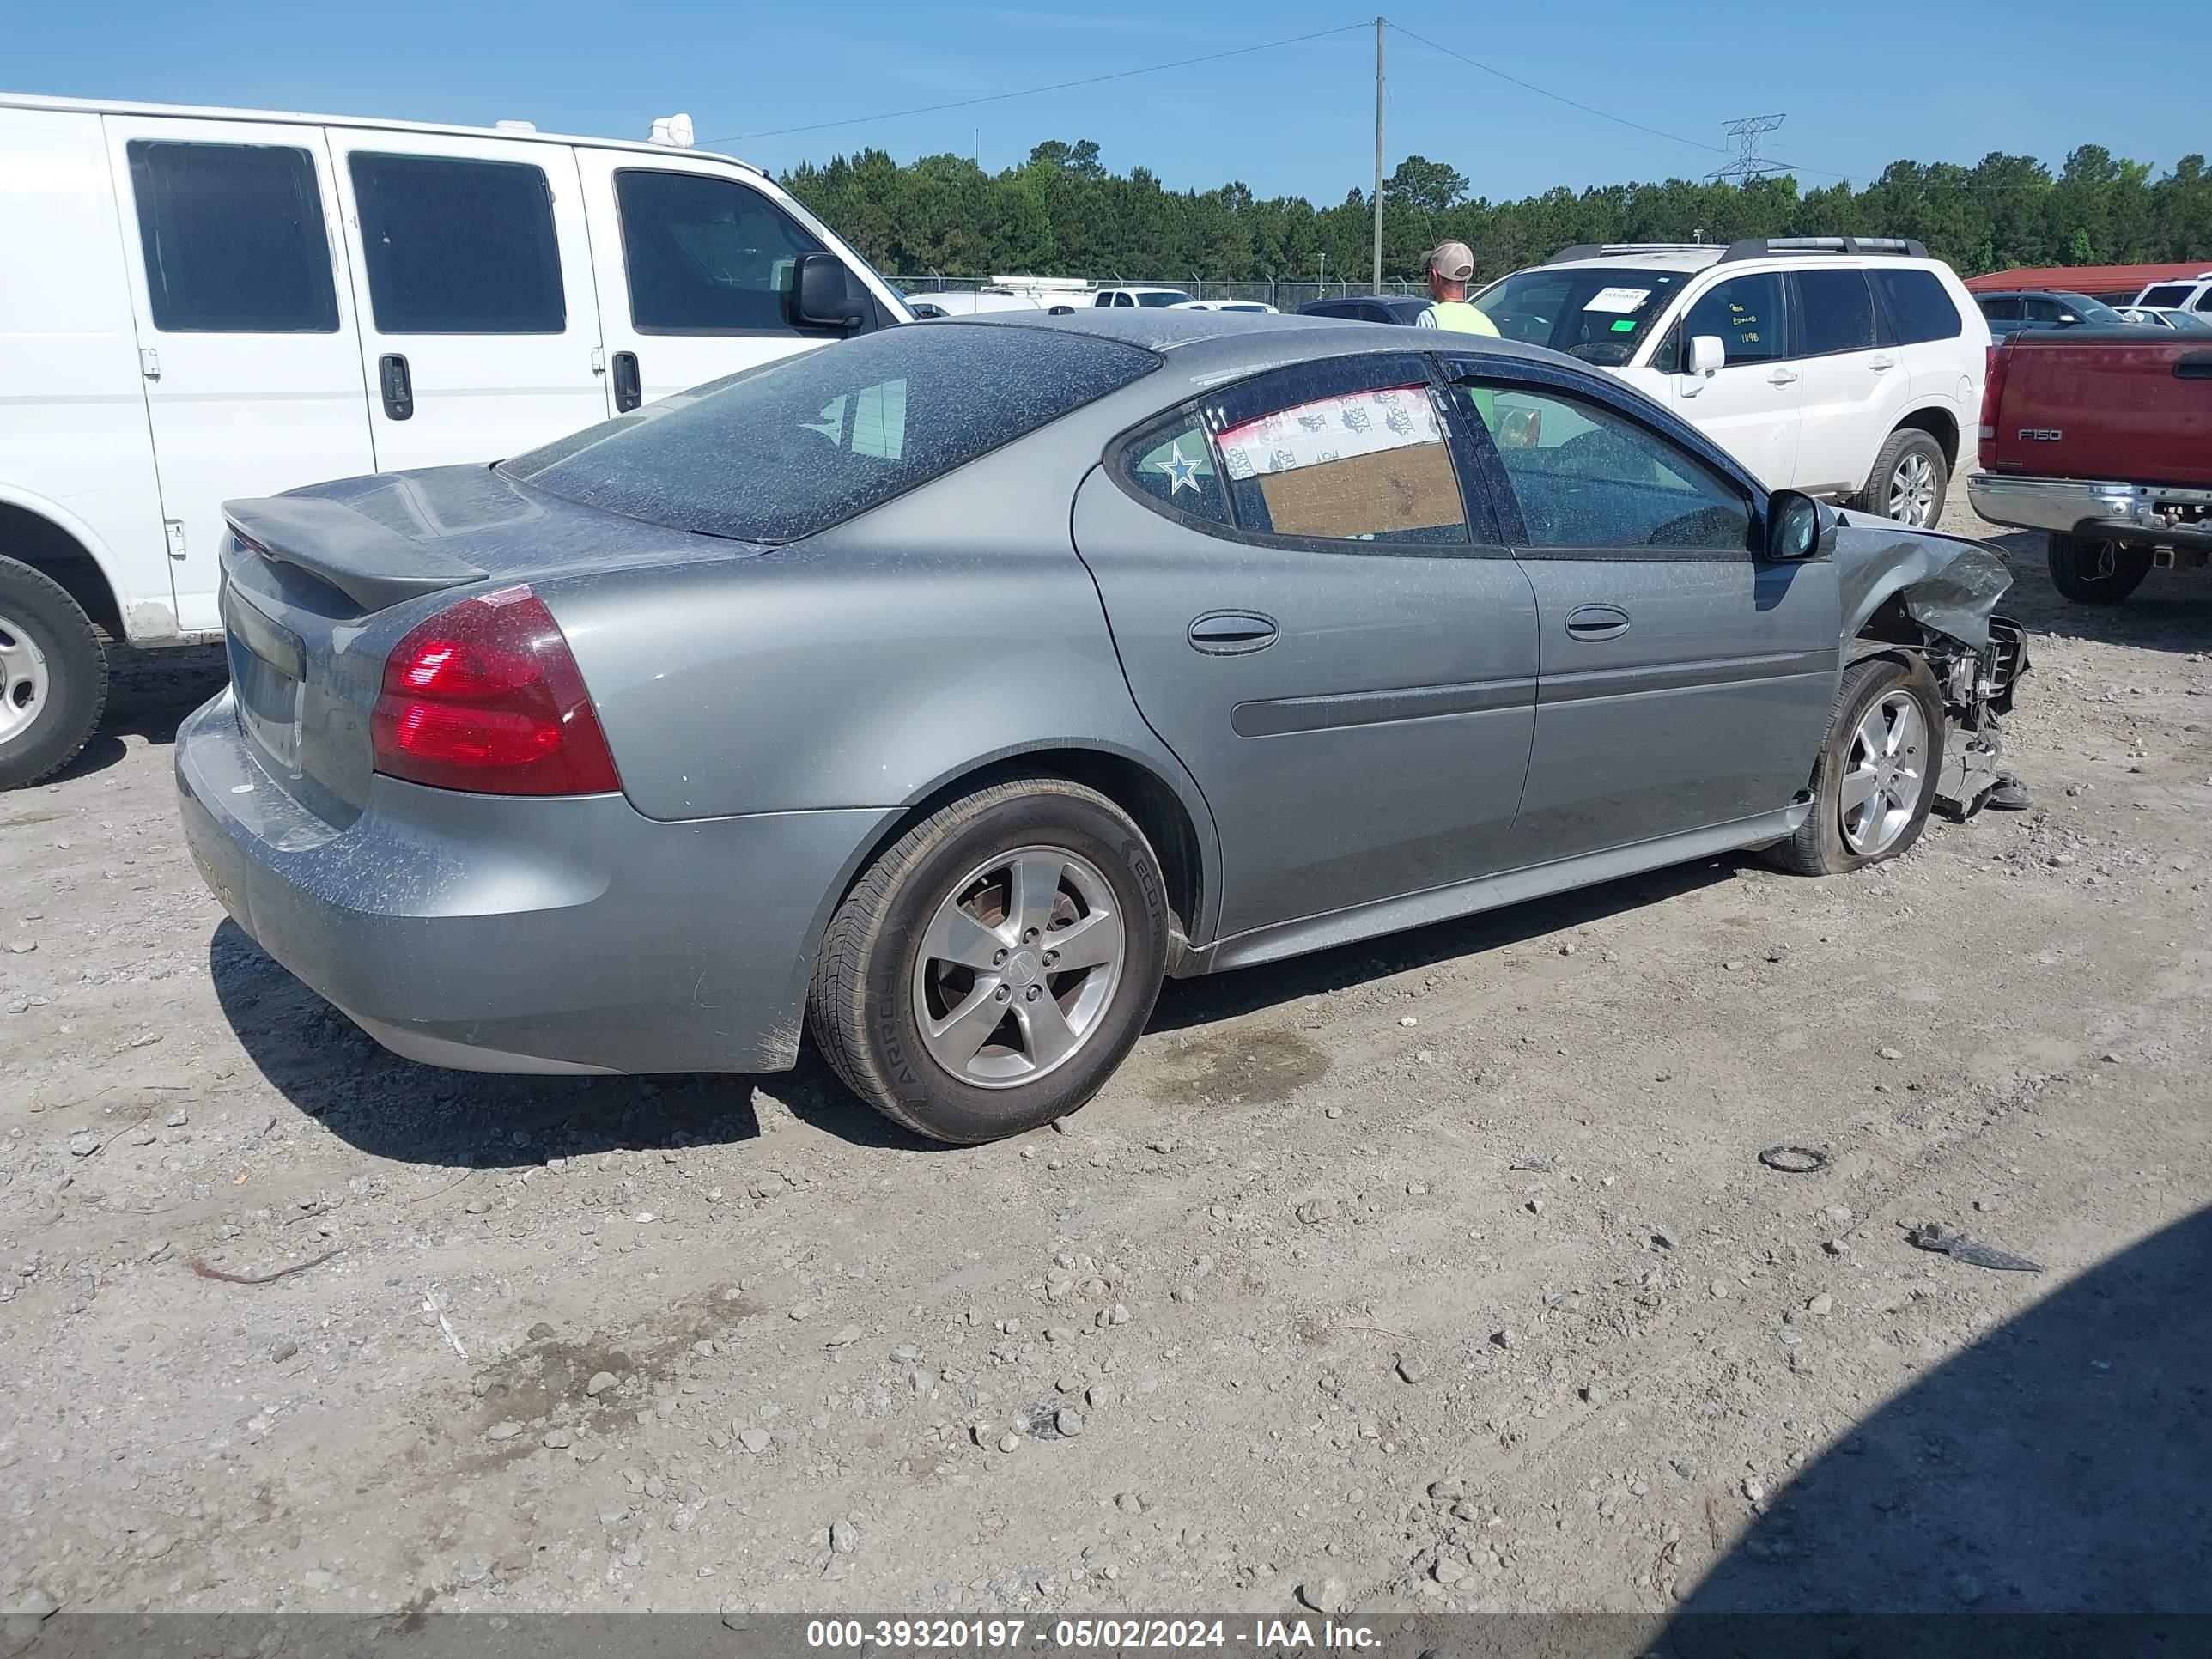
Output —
<point x="1875" y="778"/>
<point x="991" y="968"/>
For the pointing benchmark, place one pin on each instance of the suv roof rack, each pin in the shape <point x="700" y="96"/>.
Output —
<point x="1605" y="250"/>
<point x="1761" y="247"/>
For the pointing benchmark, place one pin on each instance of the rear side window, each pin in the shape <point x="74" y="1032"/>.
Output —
<point x="808" y="442"/>
<point x="706" y="255"/>
<point x="458" y="247"/>
<point x="1835" y="312"/>
<point x="233" y="238"/>
<point x="2172" y="294"/>
<point x="1921" y="310"/>
<point x="2002" y="311"/>
<point x="1173" y="465"/>
<point x="1369" y="466"/>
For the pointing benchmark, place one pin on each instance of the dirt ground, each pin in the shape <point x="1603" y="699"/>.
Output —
<point x="1438" y="1273"/>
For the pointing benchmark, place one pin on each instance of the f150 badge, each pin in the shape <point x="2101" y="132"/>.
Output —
<point x="2041" y="434"/>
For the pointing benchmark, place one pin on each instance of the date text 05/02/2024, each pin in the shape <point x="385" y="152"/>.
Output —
<point x="1111" y="1635"/>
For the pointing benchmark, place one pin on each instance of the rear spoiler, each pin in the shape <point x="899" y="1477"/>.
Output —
<point x="370" y="563"/>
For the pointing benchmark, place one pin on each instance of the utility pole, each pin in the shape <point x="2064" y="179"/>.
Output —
<point x="1378" y="155"/>
<point x="1749" y="165"/>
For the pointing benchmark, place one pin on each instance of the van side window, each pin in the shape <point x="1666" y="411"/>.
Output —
<point x="233" y="238"/>
<point x="705" y="255"/>
<point x="458" y="247"/>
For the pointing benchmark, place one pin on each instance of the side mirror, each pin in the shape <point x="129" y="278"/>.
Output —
<point x="1798" y="528"/>
<point x="823" y="294"/>
<point x="2065" y="317"/>
<point x="1708" y="352"/>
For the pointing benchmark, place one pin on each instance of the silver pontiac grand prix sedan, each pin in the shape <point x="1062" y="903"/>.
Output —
<point x="943" y="690"/>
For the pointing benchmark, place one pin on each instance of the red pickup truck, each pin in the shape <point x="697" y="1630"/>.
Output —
<point x="2103" y="437"/>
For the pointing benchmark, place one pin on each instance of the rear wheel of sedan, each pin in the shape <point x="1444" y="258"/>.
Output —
<point x="2096" y="573"/>
<point x="993" y="967"/>
<point x="1909" y="480"/>
<point x="1875" y="778"/>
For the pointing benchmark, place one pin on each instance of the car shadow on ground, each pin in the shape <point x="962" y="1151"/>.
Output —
<point x="329" y="1069"/>
<point x="148" y="694"/>
<point x="397" y="1109"/>
<point x="2062" y="1465"/>
<point x="2170" y="611"/>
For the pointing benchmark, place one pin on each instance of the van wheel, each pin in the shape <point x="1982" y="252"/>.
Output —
<point x="993" y="967"/>
<point x="2096" y="573"/>
<point x="1909" y="480"/>
<point x="53" y="676"/>
<point x="1875" y="778"/>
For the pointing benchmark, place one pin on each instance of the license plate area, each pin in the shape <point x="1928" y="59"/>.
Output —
<point x="267" y="666"/>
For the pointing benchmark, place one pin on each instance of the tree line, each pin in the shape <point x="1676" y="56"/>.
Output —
<point x="1062" y="213"/>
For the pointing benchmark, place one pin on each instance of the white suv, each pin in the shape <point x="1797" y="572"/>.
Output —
<point x="1841" y="367"/>
<point x="2191" y="294"/>
<point x="198" y="304"/>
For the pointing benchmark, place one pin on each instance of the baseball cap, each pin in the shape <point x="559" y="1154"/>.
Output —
<point x="1453" y="261"/>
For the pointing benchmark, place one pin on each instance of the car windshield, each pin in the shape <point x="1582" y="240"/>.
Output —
<point x="1157" y="297"/>
<point x="1598" y="313"/>
<point x="796" y="445"/>
<point x="2095" y="312"/>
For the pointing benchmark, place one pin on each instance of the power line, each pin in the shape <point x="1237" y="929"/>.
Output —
<point x="1591" y="109"/>
<point x="1035" y="92"/>
<point x="1749" y="165"/>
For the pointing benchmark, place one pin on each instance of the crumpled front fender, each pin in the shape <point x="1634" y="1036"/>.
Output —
<point x="1946" y="583"/>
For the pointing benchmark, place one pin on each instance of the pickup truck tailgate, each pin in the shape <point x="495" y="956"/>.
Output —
<point x="2102" y="404"/>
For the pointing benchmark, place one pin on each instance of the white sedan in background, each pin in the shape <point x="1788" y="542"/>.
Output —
<point x="1253" y="305"/>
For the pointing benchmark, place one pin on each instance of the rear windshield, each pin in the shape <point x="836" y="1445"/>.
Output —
<point x="798" y="445"/>
<point x="1598" y="313"/>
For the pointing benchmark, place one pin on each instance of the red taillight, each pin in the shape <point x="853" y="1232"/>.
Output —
<point x="1993" y="379"/>
<point x="486" y="696"/>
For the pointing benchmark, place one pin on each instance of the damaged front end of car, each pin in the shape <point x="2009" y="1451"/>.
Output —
<point x="1935" y="597"/>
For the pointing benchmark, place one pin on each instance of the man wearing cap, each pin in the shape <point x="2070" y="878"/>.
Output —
<point x="1451" y="268"/>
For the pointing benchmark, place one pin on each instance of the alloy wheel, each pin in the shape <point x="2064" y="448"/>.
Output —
<point x="1019" y="966"/>
<point x="22" y="680"/>
<point x="1882" y="781"/>
<point x="1912" y="491"/>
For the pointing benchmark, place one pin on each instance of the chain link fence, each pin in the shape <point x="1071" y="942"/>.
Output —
<point x="1283" y="296"/>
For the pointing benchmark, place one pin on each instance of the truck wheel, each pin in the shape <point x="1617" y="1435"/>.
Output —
<point x="53" y="676"/>
<point x="2096" y="573"/>
<point x="992" y="969"/>
<point x="1875" y="778"/>
<point x="1908" y="481"/>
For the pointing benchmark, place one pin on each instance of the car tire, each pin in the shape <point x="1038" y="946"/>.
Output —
<point x="2096" y="573"/>
<point x="1839" y="835"/>
<point x="1909" y="480"/>
<point x="53" y="676"/>
<point x="904" y="988"/>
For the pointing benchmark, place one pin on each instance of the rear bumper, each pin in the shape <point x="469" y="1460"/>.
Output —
<point x="507" y="934"/>
<point x="2134" y="514"/>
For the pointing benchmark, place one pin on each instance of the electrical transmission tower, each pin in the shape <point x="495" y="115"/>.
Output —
<point x="1749" y="165"/>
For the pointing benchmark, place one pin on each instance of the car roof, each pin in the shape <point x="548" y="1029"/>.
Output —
<point x="1690" y="260"/>
<point x="1207" y="345"/>
<point x="219" y="112"/>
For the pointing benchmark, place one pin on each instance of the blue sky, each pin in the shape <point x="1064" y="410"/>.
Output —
<point x="1299" y="119"/>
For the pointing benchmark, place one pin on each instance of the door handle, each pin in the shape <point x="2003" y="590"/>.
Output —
<point x="1783" y="377"/>
<point x="1597" y="622"/>
<point x="397" y="385"/>
<point x="1232" y="633"/>
<point x="628" y="389"/>
<point x="1878" y="364"/>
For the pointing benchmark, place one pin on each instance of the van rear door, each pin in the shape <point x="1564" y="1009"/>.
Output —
<point x="247" y="347"/>
<point x="472" y="273"/>
<point x="693" y="264"/>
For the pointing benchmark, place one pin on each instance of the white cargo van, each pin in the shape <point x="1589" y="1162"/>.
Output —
<point x="199" y="304"/>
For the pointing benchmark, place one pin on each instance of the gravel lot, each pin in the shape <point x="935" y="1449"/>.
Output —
<point x="1439" y="1273"/>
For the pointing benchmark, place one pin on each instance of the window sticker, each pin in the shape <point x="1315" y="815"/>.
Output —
<point x="1330" y="429"/>
<point x="1617" y="299"/>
